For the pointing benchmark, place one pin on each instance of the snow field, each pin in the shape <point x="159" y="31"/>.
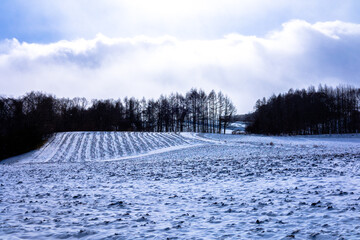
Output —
<point x="97" y="146"/>
<point x="82" y="185"/>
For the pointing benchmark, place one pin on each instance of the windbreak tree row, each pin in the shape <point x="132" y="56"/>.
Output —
<point x="26" y="122"/>
<point x="326" y="110"/>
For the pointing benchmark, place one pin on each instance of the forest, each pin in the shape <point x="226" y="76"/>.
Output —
<point x="325" y="110"/>
<point x="28" y="121"/>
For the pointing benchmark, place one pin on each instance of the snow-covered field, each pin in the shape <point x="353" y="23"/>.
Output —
<point x="109" y="185"/>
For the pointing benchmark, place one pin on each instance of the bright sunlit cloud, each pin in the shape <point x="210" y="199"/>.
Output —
<point x="244" y="67"/>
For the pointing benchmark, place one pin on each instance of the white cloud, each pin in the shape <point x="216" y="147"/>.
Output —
<point x="184" y="19"/>
<point x="115" y="18"/>
<point x="244" y="67"/>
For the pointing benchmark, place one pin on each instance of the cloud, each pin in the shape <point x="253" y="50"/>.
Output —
<point x="244" y="67"/>
<point x="52" y="20"/>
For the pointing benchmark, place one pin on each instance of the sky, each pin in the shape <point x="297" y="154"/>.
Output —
<point x="248" y="49"/>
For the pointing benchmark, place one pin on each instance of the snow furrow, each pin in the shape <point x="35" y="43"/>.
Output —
<point x="98" y="146"/>
<point x="118" y="144"/>
<point x="62" y="145"/>
<point x="151" y="145"/>
<point x="111" y="145"/>
<point x="140" y="140"/>
<point x="93" y="146"/>
<point x="134" y="143"/>
<point x="156" y="137"/>
<point x="70" y="148"/>
<point x="129" y="149"/>
<point x="172" y="140"/>
<point x="77" y="151"/>
<point x="85" y="151"/>
<point x="168" y="139"/>
<point x="101" y="143"/>
<point x="155" y="141"/>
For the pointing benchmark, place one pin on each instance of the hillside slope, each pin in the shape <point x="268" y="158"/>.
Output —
<point x="106" y="146"/>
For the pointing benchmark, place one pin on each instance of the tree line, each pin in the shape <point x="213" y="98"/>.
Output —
<point x="27" y="122"/>
<point x="325" y="110"/>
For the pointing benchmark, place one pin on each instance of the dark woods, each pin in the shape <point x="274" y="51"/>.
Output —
<point x="26" y="122"/>
<point x="326" y="110"/>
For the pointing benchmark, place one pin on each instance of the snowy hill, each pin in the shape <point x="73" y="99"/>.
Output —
<point x="105" y="146"/>
<point x="126" y="185"/>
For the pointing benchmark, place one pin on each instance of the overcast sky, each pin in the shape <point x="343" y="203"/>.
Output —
<point x="248" y="49"/>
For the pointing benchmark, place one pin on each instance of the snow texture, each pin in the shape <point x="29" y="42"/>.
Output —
<point x="110" y="185"/>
